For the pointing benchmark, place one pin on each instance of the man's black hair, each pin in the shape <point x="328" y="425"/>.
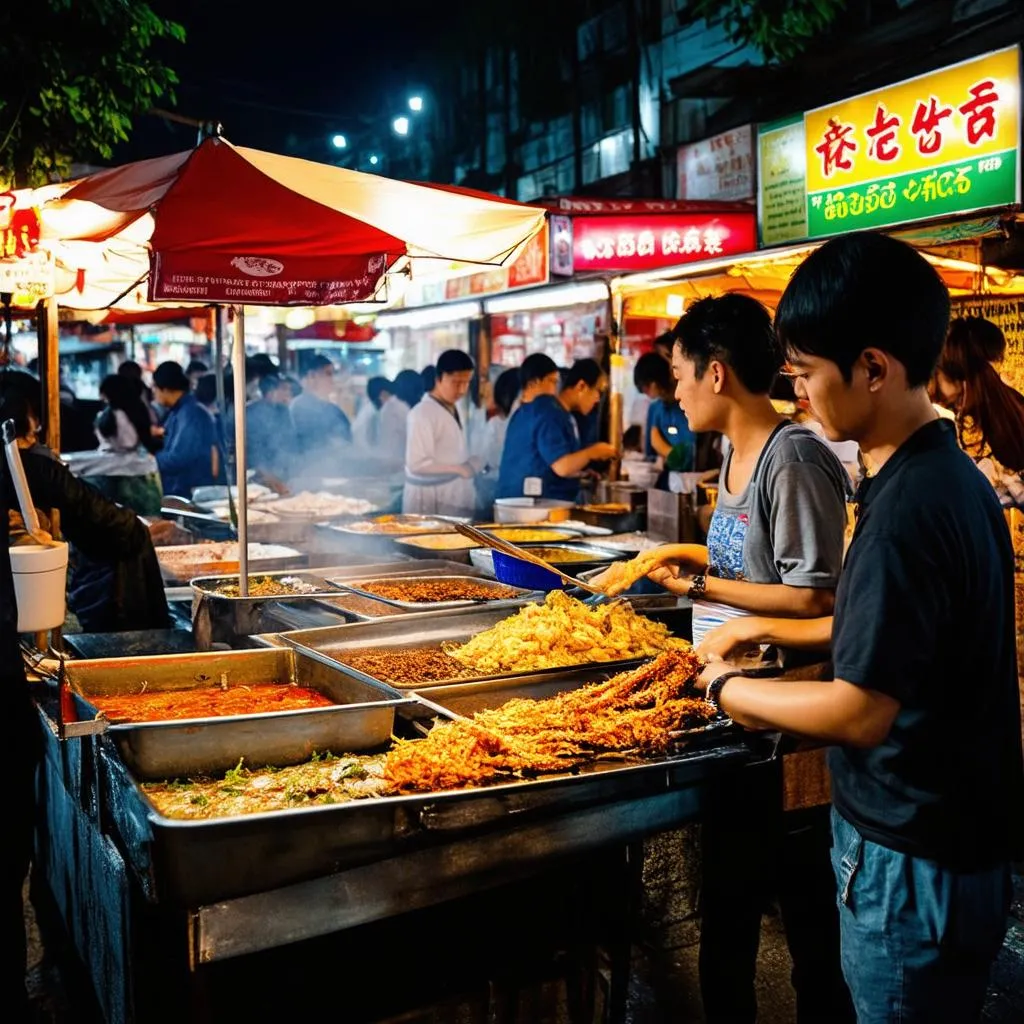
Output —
<point x="316" y="363"/>
<point x="196" y="366"/>
<point x="428" y="375"/>
<point x="733" y="329"/>
<point x="866" y="290"/>
<point x="269" y="382"/>
<point x="171" y="377"/>
<point x="536" y="367"/>
<point x="374" y="387"/>
<point x="21" y="395"/>
<point x="409" y="387"/>
<point x="453" y="360"/>
<point x="587" y="370"/>
<point x="506" y="390"/>
<point x="651" y="368"/>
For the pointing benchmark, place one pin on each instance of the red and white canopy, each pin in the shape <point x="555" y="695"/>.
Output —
<point x="228" y="224"/>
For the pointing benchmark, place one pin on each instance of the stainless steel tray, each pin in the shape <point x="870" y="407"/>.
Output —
<point x="219" y="619"/>
<point x="362" y="719"/>
<point x="425" y="629"/>
<point x="463" y="700"/>
<point x="358" y="587"/>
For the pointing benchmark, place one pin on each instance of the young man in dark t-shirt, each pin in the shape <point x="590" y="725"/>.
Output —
<point x="927" y="779"/>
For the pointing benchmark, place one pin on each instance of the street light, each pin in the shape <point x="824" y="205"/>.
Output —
<point x="401" y="125"/>
<point x="374" y="159"/>
<point x="339" y="141"/>
<point x="415" y="104"/>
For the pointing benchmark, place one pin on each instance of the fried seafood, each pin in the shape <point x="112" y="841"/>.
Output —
<point x="633" y="713"/>
<point x="561" y="632"/>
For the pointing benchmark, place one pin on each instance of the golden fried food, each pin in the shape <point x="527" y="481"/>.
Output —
<point x="563" y="631"/>
<point x="632" y="713"/>
<point x="620" y="576"/>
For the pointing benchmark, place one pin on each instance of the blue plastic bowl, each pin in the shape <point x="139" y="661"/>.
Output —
<point x="517" y="573"/>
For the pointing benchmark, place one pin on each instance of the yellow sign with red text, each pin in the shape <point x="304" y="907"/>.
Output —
<point x="950" y="116"/>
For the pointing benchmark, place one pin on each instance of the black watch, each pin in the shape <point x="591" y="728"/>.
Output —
<point x="714" y="690"/>
<point x="698" y="585"/>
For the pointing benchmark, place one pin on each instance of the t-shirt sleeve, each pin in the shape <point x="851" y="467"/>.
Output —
<point x="555" y="437"/>
<point x="887" y="614"/>
<point x="808" y="522"/>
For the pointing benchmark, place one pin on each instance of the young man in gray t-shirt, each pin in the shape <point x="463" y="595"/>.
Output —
<point x="774" y="547"/>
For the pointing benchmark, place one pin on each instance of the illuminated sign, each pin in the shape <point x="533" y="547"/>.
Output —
<point x="943" y="143"/>
<point x="653" y="241"/>
<point x="721" y="167"/>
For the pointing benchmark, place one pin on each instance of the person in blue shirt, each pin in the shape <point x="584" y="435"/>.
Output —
<point x="190" y="456"/>
<point x="270" y="435"/>
<point x="543" y="456"/>
<point x="667" y="427"/>
<point x="321" y="427"/>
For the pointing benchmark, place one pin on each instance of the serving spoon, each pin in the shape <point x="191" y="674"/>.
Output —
<point x="527" y="556"/>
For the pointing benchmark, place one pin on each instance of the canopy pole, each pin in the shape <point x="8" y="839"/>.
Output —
<point x="238" y="373"/>
<point x="219" y="314"/>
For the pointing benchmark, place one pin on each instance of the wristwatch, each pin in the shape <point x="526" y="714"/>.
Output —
<point x="698" y="585"/>
<point x="714" y="690"/>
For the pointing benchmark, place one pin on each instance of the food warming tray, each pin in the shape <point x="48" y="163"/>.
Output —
<point x="362" y="719"/>
<point x="359" y="587"/>
<point x="203" y="862"/>
<point x="223" y="619"/>
<point x="195" y="561"/>
<point x="426" y="629"/>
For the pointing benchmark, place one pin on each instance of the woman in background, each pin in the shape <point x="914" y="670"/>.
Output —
<point x="126" y="469"/>
<point x="989" y="413"/>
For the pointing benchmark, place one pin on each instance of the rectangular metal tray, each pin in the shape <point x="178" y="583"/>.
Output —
<point x="357" y="587"/>
<point x="424" y="629"/>
<point x="463" y="700"/>
<point x="283" y="558"/>
<point x="362" y="718"/>
<point x="324" y="587"/>
<point x="197" y="863"/>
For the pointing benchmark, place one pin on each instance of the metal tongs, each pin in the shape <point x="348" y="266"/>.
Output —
<point x="481" y="537"/>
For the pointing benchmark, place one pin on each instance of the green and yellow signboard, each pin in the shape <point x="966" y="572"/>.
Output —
<point x="943" y="143"/>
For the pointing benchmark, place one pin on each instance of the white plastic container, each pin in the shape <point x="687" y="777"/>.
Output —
<point x="40" y="580"/>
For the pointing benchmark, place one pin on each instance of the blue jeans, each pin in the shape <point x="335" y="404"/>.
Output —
<point x="917" y="939"/>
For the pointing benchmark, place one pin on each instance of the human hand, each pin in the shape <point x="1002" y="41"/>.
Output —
<point x="601" y="451"/>
<point x="730" y="638"/>
<point x="157" y="431"/>
<point x="466" y="471"/>
<point x="711" y="671"/>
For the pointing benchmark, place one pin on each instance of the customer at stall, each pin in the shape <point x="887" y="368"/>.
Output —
<point x="190" y="456"/>
<point x="775" y="547"/>
<point x="322" y="430"/>
<point x="667" y="433"/>
<point x="117" y="585"/>
<point x="543" y="456"/>
<point x="394" y="415"/>
<point x="989" y="413"/>
<point x="270" y="435"/>
<point x="125" y="469"/>
<point x="492" y="441"/>
<point x="439" y="470"/>
<point x="366" y="425"/>
<point x="927" y="776"/>
<point x="195" y="369"/>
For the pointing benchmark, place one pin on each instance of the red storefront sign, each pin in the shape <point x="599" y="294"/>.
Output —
<point x="655" y="241"/>
<point x="529" y="268"/>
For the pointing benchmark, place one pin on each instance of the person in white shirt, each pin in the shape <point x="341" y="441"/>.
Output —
<point x="492" y="438"/>
<point x="439" y="471"/>
<point x="366" y="425"/>
<point x="406" y="392"/>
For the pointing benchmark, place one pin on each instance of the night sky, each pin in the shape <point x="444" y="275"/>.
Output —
<point x="299" y="68"/>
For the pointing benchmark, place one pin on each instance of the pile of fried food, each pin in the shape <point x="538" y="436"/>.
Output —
<point x="633" y="713"/>
<point x="561" y="632"/>
<point x="620" y="576"/>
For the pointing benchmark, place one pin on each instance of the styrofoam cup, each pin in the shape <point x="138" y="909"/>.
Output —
<point x="40" y="580"/>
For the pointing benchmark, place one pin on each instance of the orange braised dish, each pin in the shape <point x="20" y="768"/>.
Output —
<point x="208" y="702"/>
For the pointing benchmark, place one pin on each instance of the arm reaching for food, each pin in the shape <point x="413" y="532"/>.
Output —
<point x="731" y="637"/>
<point x="620" y="576"/>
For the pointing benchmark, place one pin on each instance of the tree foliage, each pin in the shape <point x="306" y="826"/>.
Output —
<point x="780" y="29"/>
<point x="75" y="73"/>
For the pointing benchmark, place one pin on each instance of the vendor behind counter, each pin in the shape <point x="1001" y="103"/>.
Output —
<point x="114" y="580"/>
